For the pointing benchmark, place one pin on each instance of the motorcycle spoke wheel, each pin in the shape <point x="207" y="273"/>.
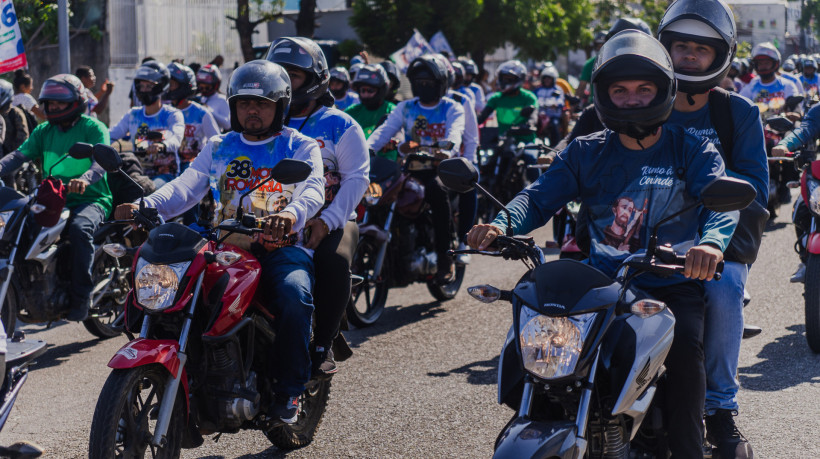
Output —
<point x="448" y="291"/>
<point x="299" y="434"/>
<point x="107" y="317"/>
<point x="367" y="300"/>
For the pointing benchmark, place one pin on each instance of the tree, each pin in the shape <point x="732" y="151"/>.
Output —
<point x="38" y="23"/>
<point x="263" y="10"/>
<point x="306" y="20"/>
<point x="546" y="29"/>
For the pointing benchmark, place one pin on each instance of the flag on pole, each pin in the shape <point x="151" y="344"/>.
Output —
<point x="415" y="47"/>
<point x="12" y="54"/>
<point x="439" y="43"/>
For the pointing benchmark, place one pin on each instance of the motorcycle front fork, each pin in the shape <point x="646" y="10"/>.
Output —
<point x="166" y="407"/>
<point x="377" y="266"/>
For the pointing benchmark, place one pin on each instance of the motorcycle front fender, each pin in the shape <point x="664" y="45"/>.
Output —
<point x="813" y="245"/>
<point x="143" y="351"/>
<point x="533" y="439"/>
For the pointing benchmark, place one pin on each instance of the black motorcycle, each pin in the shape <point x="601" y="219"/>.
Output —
<point x="20" y="354"/>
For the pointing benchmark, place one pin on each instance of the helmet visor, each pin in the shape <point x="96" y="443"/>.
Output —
<point x="288" y="53"/>
<point x="56" y="91"/>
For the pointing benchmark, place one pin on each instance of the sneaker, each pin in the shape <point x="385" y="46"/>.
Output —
<point x="463" y="258"/>
<point x="79" y="310"/>
<point x="723" y="434"/>
<point x="286" y="409"/>
<point x="799" y="276"/>
<point x="444" y="274"/>
<point x="750" y="331"/>
<point x="322" y="362"/>
<point x="784" y="195"/>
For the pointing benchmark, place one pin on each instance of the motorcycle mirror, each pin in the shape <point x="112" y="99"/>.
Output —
<point x="526" y="112"/>
<point x="154" y="136"/>
<point x="458" y="174"/>
<point x="793" y="101"/>
<point x="726" y="194"/>
<point x="780" y="124"/>
<point x="290" y="171"/>
<point x="80" y="150"/>
<point x="107" y="157"/>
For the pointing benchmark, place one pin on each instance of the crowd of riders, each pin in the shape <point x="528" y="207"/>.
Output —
<point x="658" y="98"/>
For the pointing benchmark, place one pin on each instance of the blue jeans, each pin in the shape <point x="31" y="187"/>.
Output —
<point x="722" y="335"/>
<point x="84" y="221"/>
<point x="162" y="179"/>
<point x="287" y="283"/>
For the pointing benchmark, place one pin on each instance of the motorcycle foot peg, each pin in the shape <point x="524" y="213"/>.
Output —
<point x="793" y="184"/>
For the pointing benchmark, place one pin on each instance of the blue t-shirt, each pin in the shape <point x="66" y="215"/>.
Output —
<point x="349" y="99"/>
<point x="749" y="160"/>
<point x="200" y="125"/>
<point x="810" y="84"/>
<point x="137" y="124"/>
<point x="626" y="193"/>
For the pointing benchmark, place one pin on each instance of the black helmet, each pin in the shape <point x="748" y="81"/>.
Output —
<point x="513" y="68"/>
<point x="340" y="74"/>
<point x="157" y="73"/>
<point x="64" y="88"/>
<point x="393" y="75"/>
<point x="709" y="22"/>
<point x="6" y="93"/>
<point x="627" y="24"/>
<point x="186" y="79"/>
<point x="260" y="79"/>
<point x="469" y="66"/>
<point x="305" y="55"/>
<point x="374" y="76"/>
<point x="427" y="67"/>
<point x="633" y="55"/>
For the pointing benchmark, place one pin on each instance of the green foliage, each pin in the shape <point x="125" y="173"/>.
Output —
<point x="744" y="49"/>
<point x="545" y="29"/>
<point x="349" y="48"/>
<point x="38" y="21"/>
<point x="809" y="15"/>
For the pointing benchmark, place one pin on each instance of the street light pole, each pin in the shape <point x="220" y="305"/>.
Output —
<point x="62" y="32"/>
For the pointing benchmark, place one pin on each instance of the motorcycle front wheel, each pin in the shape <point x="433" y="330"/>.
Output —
<point x="367" y="300"/>
<point x="105" y="320"/>
<point x="301" y="433"/>
<point x="448" y="291"/>
<point x="812" y="299"/>
<point x="126" y="416"/>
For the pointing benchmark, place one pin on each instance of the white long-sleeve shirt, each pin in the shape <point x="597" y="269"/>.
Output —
<point x="425" y="125"/>
<point x="137" y="124"/>
<point x="219" y="107"/>
<point x="470" y="137"/>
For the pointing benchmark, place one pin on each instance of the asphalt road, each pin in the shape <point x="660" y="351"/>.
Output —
<point x="422" y="380"/>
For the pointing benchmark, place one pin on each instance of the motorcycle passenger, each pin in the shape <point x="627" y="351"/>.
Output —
<point x="161" y="161"/>
<point x="372" y="84"/>
<point x="809" y="77"/>
<point x="259" y="96"/>
<point x="471" y="83"/>
<point x="550" y="104"/>
<point x="89" y="197"/>
<point x="340" y="88"/>
<point x="395" y="81"/>
<point x="208" y="79"/>
<point x="334" y="232"/>
<point x="700" y="36"/>
<point x="427" y="118"/>
<point x="200" y="124"/>
<point x="661" y="169"/>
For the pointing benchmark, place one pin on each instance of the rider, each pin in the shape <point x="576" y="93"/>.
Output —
<point x="662" y="170"/>
<point x="340" y="88"/>
<point x="470" y="83"/>
<point x="372" y="83"/>
<point x="395" y="80"/>
<point x="550" y="104"/>
<point x="89" y="197"/>
<point x="700" y="36"/>
<point x="161" y="159"/>
<point x="259" y="96"/>
<point x="334" y="233"/>
<point x="809" y="76"/>
<point x="427" y="118"/>
<point x="208" y="79"/>
<point x="200" y="124"/>
<point x="768" y="85"/>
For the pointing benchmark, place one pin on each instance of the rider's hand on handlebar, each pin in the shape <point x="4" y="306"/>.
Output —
<point x="156" y="147"/>
<point x="77" y="186"/>
<point x="780" y="150"/>
<point x="794" y="116"/>
<point x="125" y="211"/>
<point x="406" y="148"/>
<point x="276" y="227"/>
<point x="318" y="231"/>
<point x="481" y="236"/>
<point x="702" y="261"/>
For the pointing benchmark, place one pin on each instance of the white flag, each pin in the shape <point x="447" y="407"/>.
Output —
<point x="12" y="54"/>
<point x="439" y="43"/>
<point x="415" y="47"/>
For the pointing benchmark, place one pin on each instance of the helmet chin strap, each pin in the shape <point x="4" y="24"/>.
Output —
<point x="690" y="99"/>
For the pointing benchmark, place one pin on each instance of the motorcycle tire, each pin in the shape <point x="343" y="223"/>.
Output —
<point x="9" y="312"/>
<point x="448" y="291"/>
<point x="812" y="302"/>
<point x="110" y="323"/>
<point x="299" y="434"/>
<point x="367" y="300"/>
<point x="130" y="397"/>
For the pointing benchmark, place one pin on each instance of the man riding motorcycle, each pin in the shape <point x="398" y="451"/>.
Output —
<point x="259" y="96"/>
<point x="208" y="79"/>
<point x="89" y="197"/>
<point x="372" y="84"/>
<point x="659" y="170"/>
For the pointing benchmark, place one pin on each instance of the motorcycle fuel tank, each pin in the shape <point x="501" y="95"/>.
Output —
<point x="41" y="249"/>
<point x="242" y="281"/>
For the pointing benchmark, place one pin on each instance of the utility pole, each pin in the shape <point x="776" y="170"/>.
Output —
<point x="62" y="32"/>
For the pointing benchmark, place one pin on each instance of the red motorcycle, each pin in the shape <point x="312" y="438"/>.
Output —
<point x="199" y="365"/>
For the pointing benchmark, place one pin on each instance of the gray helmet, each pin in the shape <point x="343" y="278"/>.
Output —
<point x="788" y="65"/>
<point x="305" y="55"/>
<point x="6" y="93"/>
<point x="512" y="68"/>
<point x="709" y="22"/>
<point x="260" y="79"/>
<point x="157" y="73"/>
<point x="633" y="55"/>
<point x="807" y="62"/>
<point x="550" y="71"/>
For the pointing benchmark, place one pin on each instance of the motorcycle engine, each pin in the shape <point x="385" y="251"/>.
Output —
<point x="232" y="399"/>
<point x="423" y="263"/>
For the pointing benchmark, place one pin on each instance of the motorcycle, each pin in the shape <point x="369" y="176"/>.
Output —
<point x="779" y="168"/>
<point x="20" y="355"/>
<point x="396" y="237"/>
<point x="35" y="263"/>
<point x="200" y="364"/>
<point x="583" y="357"/>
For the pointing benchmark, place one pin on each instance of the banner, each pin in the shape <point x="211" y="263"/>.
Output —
<point x="439" y="43"/>
<point x="12" y="54"/>
<point x="414" y="48"/>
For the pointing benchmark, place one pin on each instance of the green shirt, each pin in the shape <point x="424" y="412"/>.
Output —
<point x="369" y="120"/>
<point x="586" y="75"/>
<point x="508" y="110"/>
<point x="48" y="143"/>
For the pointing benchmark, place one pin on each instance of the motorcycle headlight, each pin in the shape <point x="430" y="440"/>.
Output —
<point x="156" y="285"/>
<point x="814" y="196"/>
<point x="550" y="346"/>
<point x="4" y="218"/>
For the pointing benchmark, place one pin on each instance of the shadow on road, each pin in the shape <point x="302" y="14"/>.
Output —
<point x="788" y="362"/>
<point x="269" y="453"/>
<point x="393" y="319"/>
<point x="483" y="372"/>
<point x="57" y="355"/>
<point x="772" y="225"/>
